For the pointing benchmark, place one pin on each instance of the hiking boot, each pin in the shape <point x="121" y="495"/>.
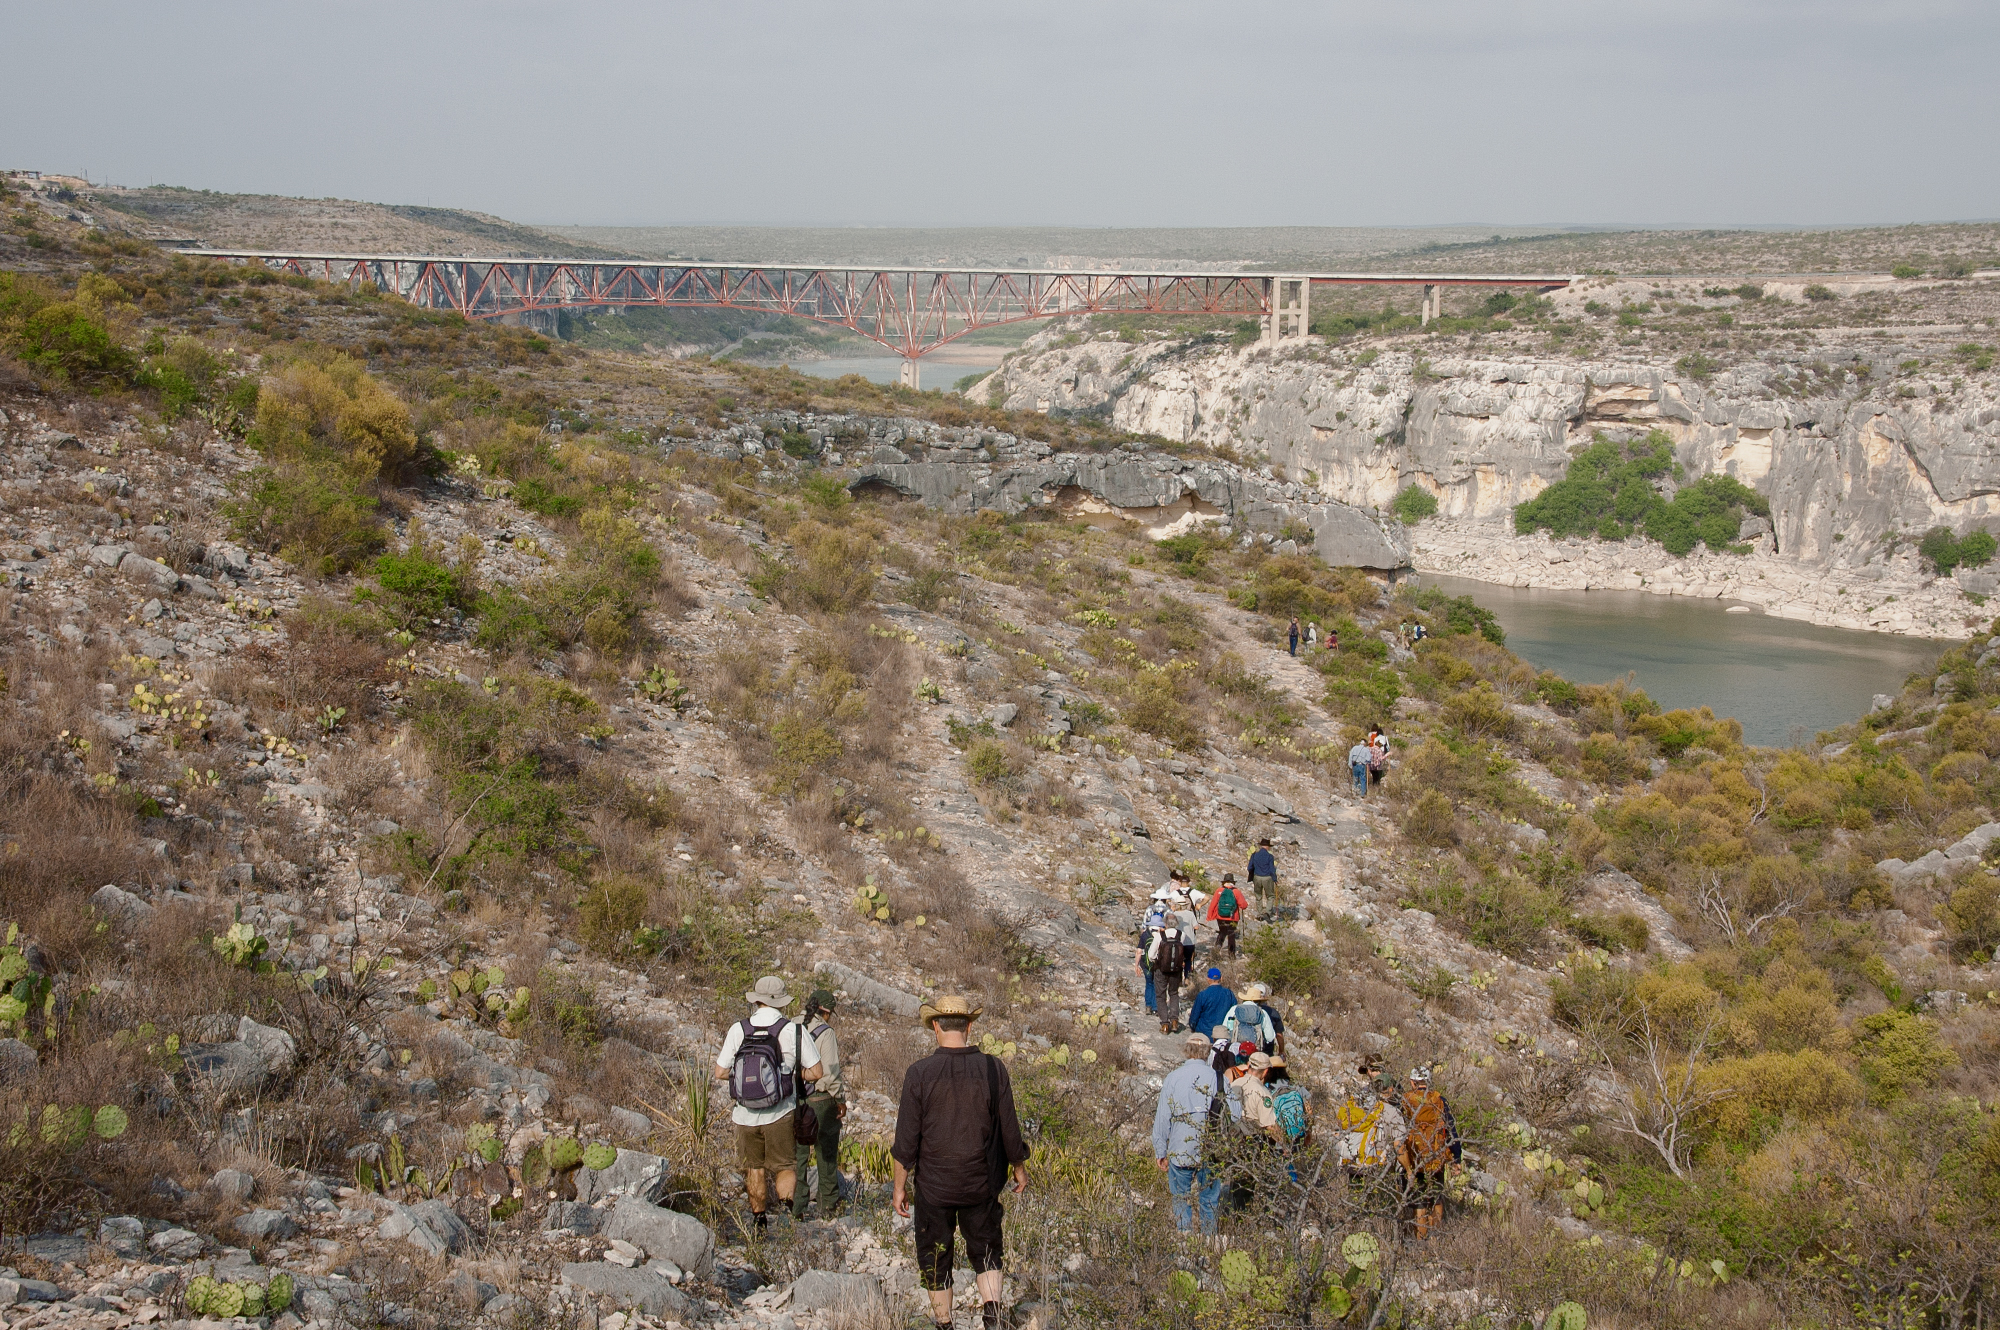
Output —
<point x="989" y="1316"/>
<point x="760" y="1221"/>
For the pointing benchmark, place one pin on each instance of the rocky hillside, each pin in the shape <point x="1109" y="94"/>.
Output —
<point x="1866" y="415"/>
<point x="416" y="737"/>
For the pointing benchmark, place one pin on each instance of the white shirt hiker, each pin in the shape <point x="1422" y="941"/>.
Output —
<point x="796" y="1043"/>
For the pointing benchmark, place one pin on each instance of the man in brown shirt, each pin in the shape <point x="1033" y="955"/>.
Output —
<point x="957" y="1132"/>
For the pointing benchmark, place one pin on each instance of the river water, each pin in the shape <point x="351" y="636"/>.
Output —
<point x="889" y="369"/>
<point x="1783" y="679"/>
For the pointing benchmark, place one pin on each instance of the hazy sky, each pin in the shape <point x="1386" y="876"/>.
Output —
<point x="1086" y="112"/>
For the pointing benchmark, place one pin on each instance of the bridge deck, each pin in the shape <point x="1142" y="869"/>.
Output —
<point x="910" y="310"/>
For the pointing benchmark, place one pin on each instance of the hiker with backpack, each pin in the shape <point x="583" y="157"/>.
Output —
<point x="1291" y="1103"/>
<point x="828" y="1105"/>
<point x="1260" y="993"/>
<point x="1371" y="1126"/>
<point x="1247" y="1028"/>
<point x="766" y="1062"/>
<point x="1226" y="911"/>
<point x="1192" y="1104"/>
<point x="1211" y="1003"/>
<point x="1260" y="1115"/>
<point x="957" y="1137"/>
<point x="1167" y="956"/>
<point x="1378" y="755"/>
<point x="1295" y="635"/>
<point x="1263" y="875"/>
<point x="1430" y="1146"/>
<point x="1157" y="915"/>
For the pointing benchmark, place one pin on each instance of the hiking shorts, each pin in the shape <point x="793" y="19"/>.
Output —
<point x="769" y="1147"/>
<point x="935" y="1225"/>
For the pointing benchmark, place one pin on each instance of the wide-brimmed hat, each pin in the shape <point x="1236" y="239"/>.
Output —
<point x="769" y="992"/>
<point x="1260" y="1061"/>
<point x="1257" y="992"/>
<point x="1420" y="1075"/>
<point x="951" y="1004"/>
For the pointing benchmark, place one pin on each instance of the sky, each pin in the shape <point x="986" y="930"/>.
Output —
<point x="1031" y="112"/>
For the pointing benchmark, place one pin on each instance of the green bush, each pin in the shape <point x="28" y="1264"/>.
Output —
<point x="1819" y="292"/>
<point x="537" y="497"/>
<point x="1972" y="916"/>
<point x="65" y="339"/>
<point x="1430" y="821"/>
<point x="830" y="572"/>
<point x="335" y="412"/>
<point x="415" y="589"/>
<point x="1944" y="551"/>
<point x="1284" y="961"/>
<point x="991" y="762"/>
<point x="595" y="597"/>
<point x="318" y="517"/>
<point x="1413" y="503"/>
<point x="1610" y="492"/>
<point x="608" y="912"/>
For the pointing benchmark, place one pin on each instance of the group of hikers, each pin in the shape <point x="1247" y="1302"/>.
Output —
<point x="1368" y="761"/>
<point x="958" y="1138"/>
<point x="1226" y="1117"/>
<point x="1236" y="1067"/>
<point x="1310" y="636"/>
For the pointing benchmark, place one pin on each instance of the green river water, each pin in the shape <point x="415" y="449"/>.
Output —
<point x="1783" y="679"/>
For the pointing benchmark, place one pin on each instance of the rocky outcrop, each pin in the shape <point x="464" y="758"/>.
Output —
<point x="1164" y="494"/>
<point x="1851" y="469"/>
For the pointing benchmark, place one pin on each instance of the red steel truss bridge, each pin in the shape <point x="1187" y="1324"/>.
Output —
<point x="911" y="311"/>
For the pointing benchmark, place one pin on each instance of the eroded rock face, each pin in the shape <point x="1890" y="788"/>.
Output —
<point x="1163" y="494"/>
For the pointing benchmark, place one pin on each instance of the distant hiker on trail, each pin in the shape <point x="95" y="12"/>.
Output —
<point x="1167" y="961"/>
<point x="957" y="1133"/>
<point x="1264" y="879"/>
<point x="828" y="1105"/>
<point x="1333" y="639"/>
<point x="1193" y="1100"/>
<point x="758" y="1060"/>
<point x="1260" y="993"/>
<point x="1430" y="1146"/>
<point x="1157" y="915"/>
<point x="1378" y="754"/>
<point x="1295" y="634"/>
<point x="1210" y="1005"/>
<point x="1226" y="910"/>
<point x="1358" y="758"/>
<point x="1312" y="635"/>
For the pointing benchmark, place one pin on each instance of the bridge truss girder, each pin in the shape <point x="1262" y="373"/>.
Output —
<point x="911" y="311"/>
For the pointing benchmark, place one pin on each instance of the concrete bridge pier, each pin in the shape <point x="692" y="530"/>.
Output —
<point x="909" y="378"/>
<point x="1433" y="302"/>
<point x="1291" y="300"/>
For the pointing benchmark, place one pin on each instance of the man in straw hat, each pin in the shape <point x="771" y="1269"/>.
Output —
<point x="956" y="1131"/>
<point x="762" y="1059"/>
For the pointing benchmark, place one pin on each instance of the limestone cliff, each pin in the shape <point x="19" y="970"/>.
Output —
<point x="1852" y="469"/>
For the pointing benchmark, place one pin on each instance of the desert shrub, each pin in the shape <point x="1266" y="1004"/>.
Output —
<point x="1284" y="961"/>
<point x="991" y="762"/>
<point x="609" y="575"/>
<point x="337" y="412"/>
<point x="607" y="912"/>
<point x="415" y="588"/>
<point x="538" y="496"/>
<point x="1900" y="1051"/>
<point x="1610" y="491"/>
<point x="64" y="339"/>
<point x="1613" y="932"/>
<point x="1972" y="917"/>
<point x="1943" y="551"/>
<point x="1430" y="820"/>
<point x="1413" y="503"/>
<point x="1767" y="1088"/>
<point x="1153" y="706"/>
<point x="316" y="516"/>
<point x="1819" y="291"/>
<point x="1480" y="712"/>
<point x="830" y="571"/>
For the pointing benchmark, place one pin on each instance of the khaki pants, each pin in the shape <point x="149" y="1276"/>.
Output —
<point x="1266" y="891"/>
<point x="823" y="1107"/>
<point x="762" y="1151"/>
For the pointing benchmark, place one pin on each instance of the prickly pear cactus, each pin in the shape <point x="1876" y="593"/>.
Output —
<point x="1566" y="1316"/>
<point x="278" y="1293"/>
<point x="599" y="1157"/>
<point x="1360" y="1250"/>
<point x="1239" y="1271"/>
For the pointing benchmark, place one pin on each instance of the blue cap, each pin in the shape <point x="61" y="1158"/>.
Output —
<point x="1214" y="973"/>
